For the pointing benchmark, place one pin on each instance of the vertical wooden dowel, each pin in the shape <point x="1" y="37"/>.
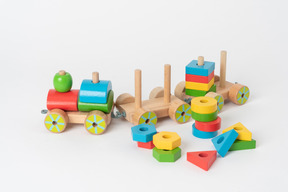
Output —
<point x="138" y="94"/>
<point x="62" y="72"/>
<point x="167" y="83"/>
<point x="95" y="77"/>
<point x="223" y="68"/>
<point x="200" y="60"/>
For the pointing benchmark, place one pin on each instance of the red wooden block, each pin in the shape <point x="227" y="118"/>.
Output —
<point x="209" y="126"/>
<point x="66" y="101"/>
<point x="202" y="159"/>
<point x="148" y="145"/>
<point x="198" y="78"/>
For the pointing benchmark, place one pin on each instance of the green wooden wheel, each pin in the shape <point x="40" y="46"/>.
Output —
<point x="183" y="113"/>
<point x="149" y="118"/>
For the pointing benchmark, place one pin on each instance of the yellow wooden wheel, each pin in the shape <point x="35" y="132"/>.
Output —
<point x="96" y="122"/>
<point x="56" y="121"/>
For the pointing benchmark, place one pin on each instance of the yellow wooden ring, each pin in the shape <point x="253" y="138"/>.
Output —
<point x="204" y="105"/>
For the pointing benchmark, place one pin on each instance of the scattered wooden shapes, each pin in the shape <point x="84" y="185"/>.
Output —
<point x="244" y="133"/>
<point x="209" y="126"/>
<point x="219" y="98"/>
<point x="223" y="142"/>
<point x="66" y="101"/>
<point x="94" y="92"/>
<point x="202" y="134"/>
<point x="204" y="117"/>
<point x="166" y="140"/>
<point x="147" y="145"/>
<point x="204" y="105"/>
<point x="143" y="133"/>
<point x="104" y="107"/>
<point x="202" y="159"/>
<point x="163" y="155"/>
<point x="243" y="145"/>
<point x="199" y="86"/>
<point x="96" y="122"/>
<point x="205" y="70"/>
<point x="56" y="121"/>
<point x="199" y="93"/>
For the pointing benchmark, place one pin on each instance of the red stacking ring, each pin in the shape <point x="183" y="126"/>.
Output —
<point x="209" y="126"/>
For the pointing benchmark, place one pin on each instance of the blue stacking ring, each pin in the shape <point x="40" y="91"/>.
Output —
<point x="202" y="134"/>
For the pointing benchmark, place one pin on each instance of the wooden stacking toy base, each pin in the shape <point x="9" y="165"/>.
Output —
<point x="157" y="106"/>
<point x="234" y="92"/>
<point x="160" y="104"/>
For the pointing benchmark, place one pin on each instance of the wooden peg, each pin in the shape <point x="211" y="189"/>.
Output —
<point x="200" y="60"/>
<point x="223" y="68"/>
<point x="95" y="77"/>
<point x="138" y="94"/>
<point x="167" y="83"/>
<point x="62" y="72"/>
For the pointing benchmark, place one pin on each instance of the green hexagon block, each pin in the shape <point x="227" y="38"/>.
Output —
<point x="166" y="155"/>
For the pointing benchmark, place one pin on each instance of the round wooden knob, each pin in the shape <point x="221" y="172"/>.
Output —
<point x="200" y="60"/>
<point x="95" y="77"/>
<point x="62" y="72"/>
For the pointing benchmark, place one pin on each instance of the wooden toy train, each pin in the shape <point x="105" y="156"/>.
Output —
<point x="93" y="104"/>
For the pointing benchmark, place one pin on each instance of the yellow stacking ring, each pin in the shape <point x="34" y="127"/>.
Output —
<point x="204" y="105"/>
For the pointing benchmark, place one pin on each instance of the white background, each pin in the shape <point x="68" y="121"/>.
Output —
<point x="38" y="38"/>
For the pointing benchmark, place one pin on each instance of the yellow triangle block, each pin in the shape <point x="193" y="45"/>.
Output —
<point x="244" y="133"/>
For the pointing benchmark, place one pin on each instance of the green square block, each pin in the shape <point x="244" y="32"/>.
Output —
<point x="199" y="93"/>
<point x="167" y="155"/>
<point x="242" y="145"/>
<point x="104" y="107"/>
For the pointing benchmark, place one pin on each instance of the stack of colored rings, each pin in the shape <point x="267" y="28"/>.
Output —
<point x="204" y="112"/>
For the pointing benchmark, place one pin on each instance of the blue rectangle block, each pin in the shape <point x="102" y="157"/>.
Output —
<point x="143" y="132"/>
<point x="94" y="92"/>
<point x="194" y="69"/>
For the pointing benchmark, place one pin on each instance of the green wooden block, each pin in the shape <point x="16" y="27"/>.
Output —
<point x="199" y="93"/>
<point x="204" y="117"/>
<point x="104" y="107"/>
<point x="166" y="155"/>
<point x="242" y="145"/>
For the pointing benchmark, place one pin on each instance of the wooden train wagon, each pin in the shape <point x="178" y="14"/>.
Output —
<point x="225" y="90"/>
<point x="160" y="103"/>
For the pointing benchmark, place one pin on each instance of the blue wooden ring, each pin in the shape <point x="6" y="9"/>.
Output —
<point x="202" y="134"/>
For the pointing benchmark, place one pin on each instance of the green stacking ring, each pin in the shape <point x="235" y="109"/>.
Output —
<point x="204" y="117"/>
